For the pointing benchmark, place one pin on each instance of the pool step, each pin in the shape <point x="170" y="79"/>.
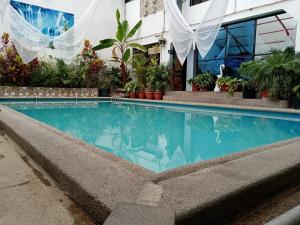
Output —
<point x="222" y="98"/>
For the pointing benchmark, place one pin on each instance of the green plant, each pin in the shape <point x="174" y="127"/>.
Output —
<point x="105" y="82"/>
<point x="296" y="91"/>
<point x="76" y="76"/>
<point x="223" y="81"/>
<point x="158" y="76"/>
<point x="121" y="46"/>
<point x="131" y="87"/>
<point x="115" y="76"/>
<point x="56" y="73"/>
<point x="203" y="80"/>
<point x="46" y="75"/>
<point x="192" y="81"/>
<point x="276" y="73"/>
<point x="233" y="85"/>
<point x="139" y="63"/>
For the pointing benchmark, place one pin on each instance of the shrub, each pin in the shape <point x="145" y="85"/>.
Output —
<point x="204" y="80"/>
<point x="95" y="67"/>
<point x="158" y="76"/>
<point x="131" y="87"/>
<point x="276" y="73"/>
<point x="13" y="71"/>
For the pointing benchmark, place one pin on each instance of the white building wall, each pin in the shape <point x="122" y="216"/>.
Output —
<point x="103" y="25"/>
<point x="155" y="25"/>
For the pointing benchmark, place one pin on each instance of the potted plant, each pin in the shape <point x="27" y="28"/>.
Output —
<point x="139" y="63"/>
<point x="249" y="91"/>
<point x="150" y="86"/>
<point x="104" y="86"/>
<point x="296" y="97"/>
<point x="131" y="89"/>
<point x="162" y="81"/>
<point x="204" y="81"/>
<point x="223" y="83"/>
<point x="195" y="87"/>
<point x="273" y="75"/>
<point x="234" y="85"/>
<point x="158" y="78"/>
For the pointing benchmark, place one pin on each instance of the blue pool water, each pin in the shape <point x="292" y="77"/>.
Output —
<point x="162" y="137"/>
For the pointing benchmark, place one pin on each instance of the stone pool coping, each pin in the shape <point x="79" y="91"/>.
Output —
<point x="98" y="180"/>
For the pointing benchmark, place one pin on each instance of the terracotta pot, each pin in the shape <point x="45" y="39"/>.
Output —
<point x="195" y="88"/>
<point x="149" y="95"/>
<point x="224" y="88"/>
<point x="141" y="95"/>
<point x="132" y="95"/>
<point x="264" y="94"/>
<point x="158" y="95"/>
<point x="203" y="89"/>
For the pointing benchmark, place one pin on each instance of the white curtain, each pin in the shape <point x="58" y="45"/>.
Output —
<point x="184" y="37"/>
<point x="31" y="43"/>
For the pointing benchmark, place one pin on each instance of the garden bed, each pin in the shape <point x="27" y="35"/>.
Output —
<point x="7" y="91"/>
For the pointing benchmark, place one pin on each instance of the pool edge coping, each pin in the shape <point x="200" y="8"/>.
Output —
<point x="148" y="174"/>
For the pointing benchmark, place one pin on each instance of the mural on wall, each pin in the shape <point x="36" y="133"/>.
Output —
<point x="50" y="22"/>
<point x="149" y="7"/>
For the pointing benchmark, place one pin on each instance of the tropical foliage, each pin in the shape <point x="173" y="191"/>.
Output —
<point x="121" y="45"/>
<point x="204" y="80"/>
<point x="140" y="63"/>
<point x="131" y="87"/>
<point x="158" y="76"/>
<point x="276" y="73"/>
<point x="13" y="71"/>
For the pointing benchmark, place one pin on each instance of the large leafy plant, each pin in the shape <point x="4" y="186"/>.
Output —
<point x="204" y="80"/>
<point x="158" y="76"/>
<point x="140" y="63"/>
<point x="121" y="46"/>
<point x="131" y="87"/>
<point x="93" y="65"/>
<point x="13" y="71"/>
<point x="276" y="73"/>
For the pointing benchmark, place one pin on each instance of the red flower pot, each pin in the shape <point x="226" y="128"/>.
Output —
<point x="149" y="95"/>
<point x="158" y="95"/>
<point x="264" y="94"/>
<point x="132" y="95"/>
<point x="203" y="89"/>
<point x="195" y="88"/>
<point x="224" y="88"/>
<point x="141" y="95"/>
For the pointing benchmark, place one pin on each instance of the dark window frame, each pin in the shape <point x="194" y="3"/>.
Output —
<point x="196" y="2"/>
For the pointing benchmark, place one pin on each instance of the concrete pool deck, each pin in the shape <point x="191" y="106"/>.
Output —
<point x="98" y="181"/>
<point x="28" y="196"/>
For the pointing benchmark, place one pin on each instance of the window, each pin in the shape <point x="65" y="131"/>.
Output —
<point x="233" y="46"/>
<point x="195" y="2"/>
<point x="244" y="41"/>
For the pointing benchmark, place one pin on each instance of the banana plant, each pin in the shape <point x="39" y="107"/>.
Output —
<point x="121" y="51"/>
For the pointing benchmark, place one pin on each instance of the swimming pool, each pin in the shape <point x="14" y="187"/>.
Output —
<point x="161" y="137"/>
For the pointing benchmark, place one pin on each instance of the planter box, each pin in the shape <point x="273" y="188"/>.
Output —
<point x="10" y="92"/>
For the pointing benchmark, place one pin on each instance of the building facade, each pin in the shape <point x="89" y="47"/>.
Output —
<point x="252" y="28"/>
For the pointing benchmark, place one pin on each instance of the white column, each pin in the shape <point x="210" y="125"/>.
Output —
<point x="190" y="68"/>
<point x="297" y="47"/>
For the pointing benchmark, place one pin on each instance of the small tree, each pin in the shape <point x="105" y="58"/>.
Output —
<point x="121" y="46"/>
